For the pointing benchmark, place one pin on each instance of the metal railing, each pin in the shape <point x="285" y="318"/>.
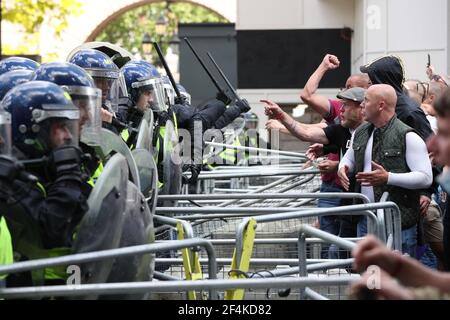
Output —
<point x="169" y="286"/>
<point x="96" y="256"/>
<point x="302" y="264"/>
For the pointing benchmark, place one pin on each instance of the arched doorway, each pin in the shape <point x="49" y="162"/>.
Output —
<point x="97" y="13"/>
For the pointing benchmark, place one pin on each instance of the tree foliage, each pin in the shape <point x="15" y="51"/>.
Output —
<point x="29" y="15"/>
<point x="129" y="29"/>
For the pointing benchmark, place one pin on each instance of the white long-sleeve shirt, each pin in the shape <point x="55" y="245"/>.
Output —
<point x="420" y="177"/>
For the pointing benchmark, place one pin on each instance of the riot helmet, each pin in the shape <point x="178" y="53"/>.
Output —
<point x="251" y="120"/>
<point x="13" y="78"/>
<point x="145" y="90"/>
<point x="43" y="118"/>
<point x="81" y="88"/>
<point x="106" y="75"/>
<point x="17" y="63"/>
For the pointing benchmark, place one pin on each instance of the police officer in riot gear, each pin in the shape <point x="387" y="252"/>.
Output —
<point x="81" y="88"/>
<point x="108" y="78"/>
<point x="146" y="92"/>
<point x="45" y="137"/>
<point x="252" y="138"/>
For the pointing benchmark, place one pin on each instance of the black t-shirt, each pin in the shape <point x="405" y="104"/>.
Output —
<point x="339" y="136"/>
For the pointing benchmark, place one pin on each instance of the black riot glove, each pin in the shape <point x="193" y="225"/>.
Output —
<point x="243" y="105"/>
<point x="222" y="96"/>
<point x="181" y="100"/>
<point x="65" y="163"/>
<point x="11" y="169"/>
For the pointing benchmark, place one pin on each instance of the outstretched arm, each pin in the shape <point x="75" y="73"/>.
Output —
<point x="297" y="129"/>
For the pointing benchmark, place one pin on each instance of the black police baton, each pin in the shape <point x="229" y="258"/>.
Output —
<point x="224" y="77"/>
<point x="214" y="81"/>
<point x="166" y="67"/>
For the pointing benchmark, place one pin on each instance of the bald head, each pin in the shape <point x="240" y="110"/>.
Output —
<point x="379" y="104"/>
<point x="361" y="80"/>
<point x="384" y="93"/>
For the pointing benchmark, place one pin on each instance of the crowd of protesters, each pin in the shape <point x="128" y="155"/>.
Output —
<point x="384" y="133"/>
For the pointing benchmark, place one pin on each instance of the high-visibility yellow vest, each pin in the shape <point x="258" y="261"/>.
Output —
<point x="6" y="250"/>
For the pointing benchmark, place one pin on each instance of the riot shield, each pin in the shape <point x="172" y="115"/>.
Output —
<point x="144" y="140"/>
<point x="148" y="175"/>
<point x="150" y="118"/>
<point x="101" y="227"/>
<point x="137" y="230"/>
<point x="110" y="143"/>
<point x="172" y="165"/>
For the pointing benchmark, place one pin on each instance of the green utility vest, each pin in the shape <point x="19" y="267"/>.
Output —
<point x="389" y="150"/>
<point x="6" y="251"/>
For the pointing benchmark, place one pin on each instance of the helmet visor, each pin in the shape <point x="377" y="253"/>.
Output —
<point x="110" y="92"/>
<point x="5" y="133"/>
<point x="89" y="102"/>
<point x="62" y="132"/>
<point x="155" y="88"/>
<point x="170" y="94"/>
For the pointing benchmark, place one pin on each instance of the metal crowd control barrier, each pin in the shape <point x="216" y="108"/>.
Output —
<point x="363" y="209"/>
<point x="243" y="148"/>
<point x="101" y="255"/>
<point x="169" y="286"/>
<point x="264" y="196"/>
<point x="390" y="225"/>
<point x="313" y="232"/>
<point x="246" y="231"/>
<point x="256" y="173"/>
<point x="191" y="263"/>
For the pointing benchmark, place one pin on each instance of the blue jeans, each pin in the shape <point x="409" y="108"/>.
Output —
<point x="427" y="257"/>
<point x="328" y="224"/>
<point x="329" y="203"/>
<point x="409" y="241"/>
<point x="361" y="228"/>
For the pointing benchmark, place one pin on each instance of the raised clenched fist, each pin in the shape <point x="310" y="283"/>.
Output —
<point x="331" y="62"/>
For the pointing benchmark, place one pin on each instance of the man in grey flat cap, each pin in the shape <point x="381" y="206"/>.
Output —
<point x="338" y="135"/>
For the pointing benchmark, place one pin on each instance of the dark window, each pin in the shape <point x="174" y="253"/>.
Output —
<point x="284" y="59"/>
